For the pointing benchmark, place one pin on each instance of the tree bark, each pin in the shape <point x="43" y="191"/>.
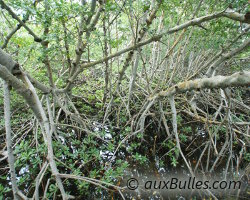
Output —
<point x="11" y="158"/>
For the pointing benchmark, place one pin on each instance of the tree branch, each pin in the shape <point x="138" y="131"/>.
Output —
<point x="237" y="16"/>
<point x="20" y="89"/>
<point x="236" y="79"/>
<point x="11" y="158"/>
<point x="174" y="123"/>
<point x="4" y="6"/>
<point x="193" y="22"/>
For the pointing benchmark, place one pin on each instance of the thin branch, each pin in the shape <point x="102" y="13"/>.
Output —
<point x="6" y="7"/>
<point x="174" y="122"/>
